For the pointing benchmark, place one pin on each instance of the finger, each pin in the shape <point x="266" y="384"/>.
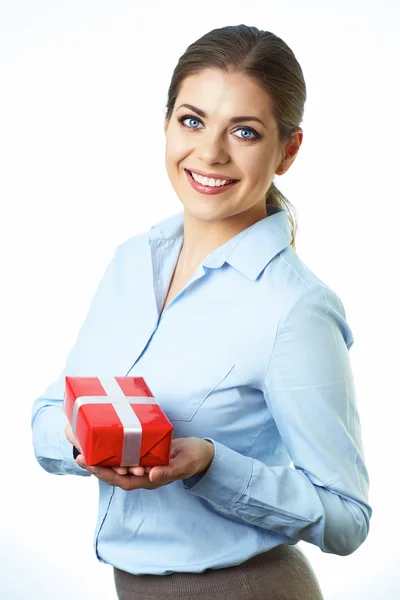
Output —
<point x="126" y="482"/>
<point x="156" y="474"/>
<point x="120" y="470"/>
<point x="178" y="443"/>
<point x="80" y="460"/>
<point x="177" y="469"/>
<point x="71" y="438"/>
<point x="159" y="474"/>
<point x="138" y="471"/>
<point x="108" y="475"/>
<point x="68" y="433"/>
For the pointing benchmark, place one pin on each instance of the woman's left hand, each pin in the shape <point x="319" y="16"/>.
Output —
<point x="189" y="456"/>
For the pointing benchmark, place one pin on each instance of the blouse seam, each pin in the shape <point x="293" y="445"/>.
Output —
<point x="281" y="321"/>
<point x="352" y="406"/>
<point x="246" y="486"/>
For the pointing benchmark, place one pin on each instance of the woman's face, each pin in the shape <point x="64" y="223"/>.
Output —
<point x="246" y="150"/>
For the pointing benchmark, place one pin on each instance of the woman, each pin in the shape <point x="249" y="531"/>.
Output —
<point x="243" y="346"/>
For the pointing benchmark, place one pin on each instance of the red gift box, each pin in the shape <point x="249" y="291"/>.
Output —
<point x="117" y="421"/>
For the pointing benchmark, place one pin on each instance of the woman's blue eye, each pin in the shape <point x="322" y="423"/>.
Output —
<point x="245" y="139"/>
<point x="185" y="118"/>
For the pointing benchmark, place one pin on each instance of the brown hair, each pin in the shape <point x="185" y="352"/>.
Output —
<point x="269" y="61"/>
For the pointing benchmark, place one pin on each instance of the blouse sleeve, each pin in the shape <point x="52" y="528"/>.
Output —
<point x="309" y="390"/>
<point x="53" y="451"/>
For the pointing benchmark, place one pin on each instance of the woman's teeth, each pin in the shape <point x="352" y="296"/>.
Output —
<point x="210" y="182"/>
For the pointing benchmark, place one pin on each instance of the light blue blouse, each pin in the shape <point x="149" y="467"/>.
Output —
<point x="252" y="355"/>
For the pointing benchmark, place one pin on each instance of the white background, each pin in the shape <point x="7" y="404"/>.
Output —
<point x="83" y="88"/>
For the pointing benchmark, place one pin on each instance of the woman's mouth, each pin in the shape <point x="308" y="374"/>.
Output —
<point x="206" y="189"/>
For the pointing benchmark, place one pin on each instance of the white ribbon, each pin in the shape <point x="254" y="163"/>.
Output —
<point x="132" y="441"/>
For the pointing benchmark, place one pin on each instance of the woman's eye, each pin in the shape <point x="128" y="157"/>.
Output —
<point x="247" y="129"/>
<point x="182" y="119"/>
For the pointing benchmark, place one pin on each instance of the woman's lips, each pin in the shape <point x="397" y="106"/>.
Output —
<point x="208" y="190"/>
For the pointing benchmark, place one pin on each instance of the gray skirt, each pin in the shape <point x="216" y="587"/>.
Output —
<point x="283" y="573"/>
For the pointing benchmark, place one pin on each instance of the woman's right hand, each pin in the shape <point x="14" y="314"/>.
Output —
<point x="71" y="438"/>
<point x="120" y="470"/>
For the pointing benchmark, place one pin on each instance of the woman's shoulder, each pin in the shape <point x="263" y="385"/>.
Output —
<point x="294" y="269"/>
<point x="296" y="283"/>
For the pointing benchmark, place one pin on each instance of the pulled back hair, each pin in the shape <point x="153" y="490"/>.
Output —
<point x="267" y="60"/>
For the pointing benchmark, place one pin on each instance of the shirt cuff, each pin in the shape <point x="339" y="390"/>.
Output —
<point x="226" y="478"/>
<point x="53" y="450"/>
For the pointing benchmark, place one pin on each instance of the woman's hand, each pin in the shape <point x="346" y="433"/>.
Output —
<point x="71" y="438"/>
<point x="189" y="456"/>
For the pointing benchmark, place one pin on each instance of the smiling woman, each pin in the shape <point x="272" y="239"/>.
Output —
<point x="222" y="85"/>
<point x="245" y="349"/>
<point x="223" y="98"/>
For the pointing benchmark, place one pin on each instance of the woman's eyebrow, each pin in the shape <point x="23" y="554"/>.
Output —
<point x="201" y="113"/>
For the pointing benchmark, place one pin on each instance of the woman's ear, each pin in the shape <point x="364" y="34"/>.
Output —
<point x="291" y="150"/>
<point x="166" y="123"/>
